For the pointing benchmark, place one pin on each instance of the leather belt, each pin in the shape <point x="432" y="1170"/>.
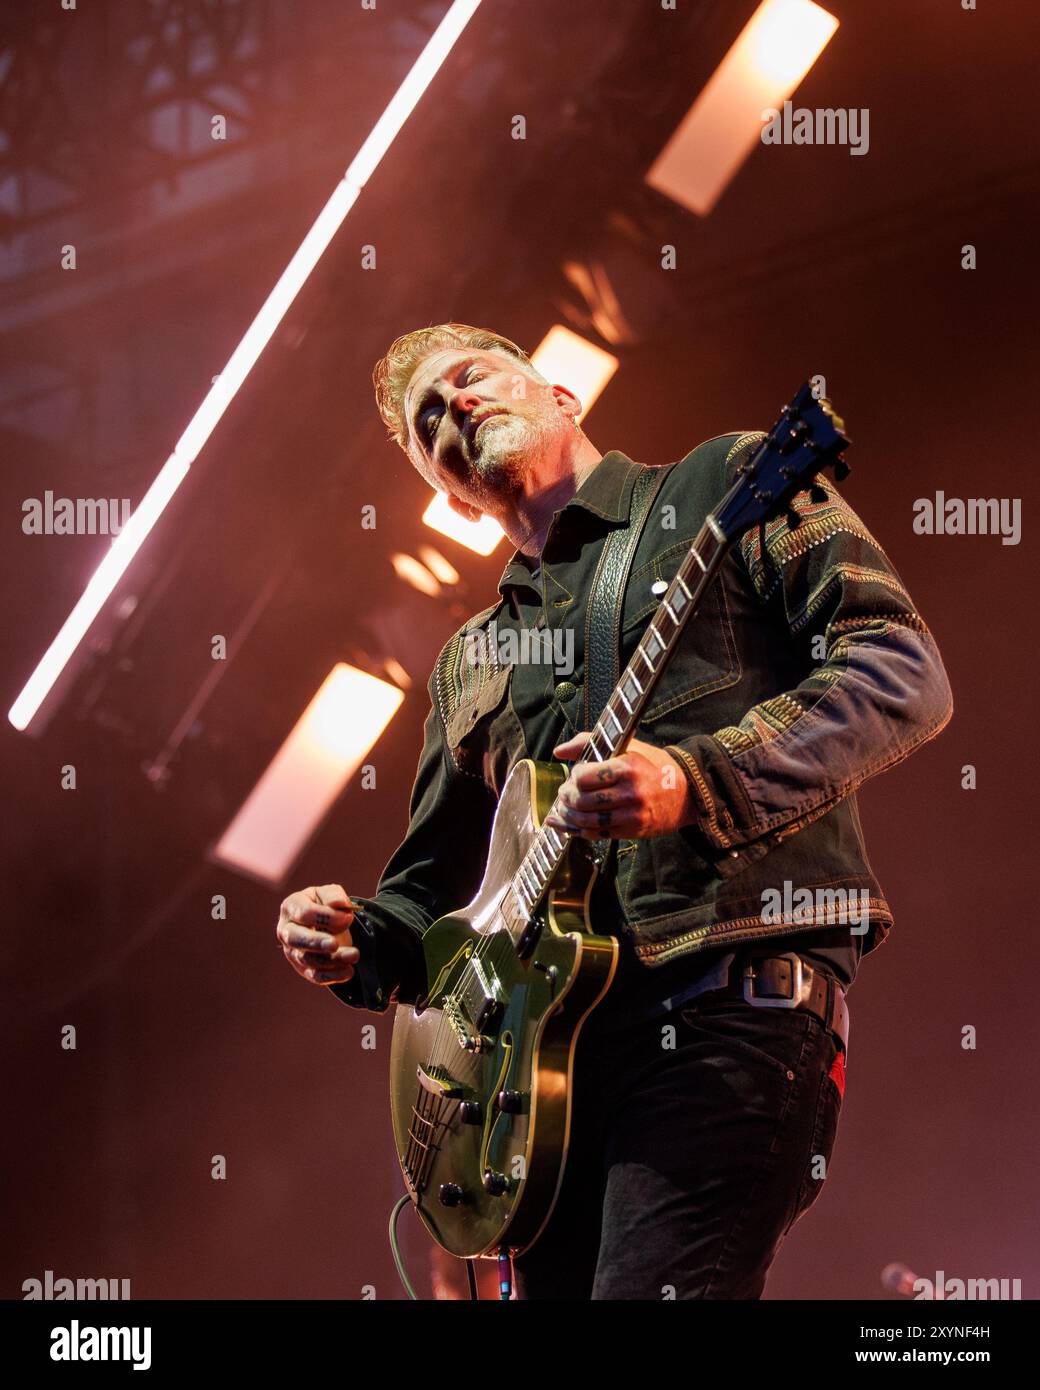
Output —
<point x="784" y="980"/>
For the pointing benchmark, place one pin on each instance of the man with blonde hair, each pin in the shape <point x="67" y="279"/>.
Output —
<point x="708" y="1083"/>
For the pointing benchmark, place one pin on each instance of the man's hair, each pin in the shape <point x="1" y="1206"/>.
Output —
<point x="394" y="371"/>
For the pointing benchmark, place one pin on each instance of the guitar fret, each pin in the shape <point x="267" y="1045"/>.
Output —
<point x="682" y="585"/>
<point x="621" y="715"/>
<point x="620" y="727"/>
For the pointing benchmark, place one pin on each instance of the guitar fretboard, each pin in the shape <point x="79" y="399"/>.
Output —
<point x="620" y="717"/>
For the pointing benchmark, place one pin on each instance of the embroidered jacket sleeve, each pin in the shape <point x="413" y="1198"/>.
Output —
<point x="874" y="686"/>
<point x="437" y="867"/>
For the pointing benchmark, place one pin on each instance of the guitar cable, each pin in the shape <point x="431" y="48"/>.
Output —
<point x="396" y="1249"/>
<point x="505" y="1270"/>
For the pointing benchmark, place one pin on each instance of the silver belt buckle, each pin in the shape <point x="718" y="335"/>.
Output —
<point x="801" y="983"/>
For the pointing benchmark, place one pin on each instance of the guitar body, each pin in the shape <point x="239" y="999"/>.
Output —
<point x="481" y="1066"/>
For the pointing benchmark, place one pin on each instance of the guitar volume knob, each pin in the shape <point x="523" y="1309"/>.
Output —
<point x="450" y="1194"/>
<point x="495" y="1183"/>
<point x="549" y="971"/>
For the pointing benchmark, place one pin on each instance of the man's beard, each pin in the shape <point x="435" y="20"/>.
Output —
<point x="498" y="470"/>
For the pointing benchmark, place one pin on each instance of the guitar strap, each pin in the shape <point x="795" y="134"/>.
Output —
<point x="607" y="596"/>
<point x="606" y="603"/>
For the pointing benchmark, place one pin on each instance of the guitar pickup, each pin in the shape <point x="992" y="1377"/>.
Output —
<point x="484" y="999"/>
<point x="490" y="1016"/>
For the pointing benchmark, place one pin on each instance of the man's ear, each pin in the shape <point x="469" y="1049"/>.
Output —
<point x="464" y="509"/>
<point x="567" y="401"/>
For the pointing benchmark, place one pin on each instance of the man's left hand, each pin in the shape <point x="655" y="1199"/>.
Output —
<point x="643" y="792"/>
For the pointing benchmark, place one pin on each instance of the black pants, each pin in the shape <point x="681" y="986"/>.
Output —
<point x="697" y="1141"/>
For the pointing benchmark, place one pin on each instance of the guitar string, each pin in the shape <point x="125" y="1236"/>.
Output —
<point x="443" y="1051"/>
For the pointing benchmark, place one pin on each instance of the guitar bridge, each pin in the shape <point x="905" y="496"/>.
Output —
<point x="437" y="1081"/>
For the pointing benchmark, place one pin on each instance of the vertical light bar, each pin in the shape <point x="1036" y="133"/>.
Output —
<point x="561" y="356"/>
<point x="101" y="583"/>
<point x="774" y="51"/>
<point x="342" y="722"/>
<point x="240" y="363"/>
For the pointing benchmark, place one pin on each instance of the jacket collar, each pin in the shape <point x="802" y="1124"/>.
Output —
<point x="606" y="493"/>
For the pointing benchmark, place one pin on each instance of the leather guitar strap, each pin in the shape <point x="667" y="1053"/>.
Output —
<point x="607" y="596"/>
<point x="606" y="604"/>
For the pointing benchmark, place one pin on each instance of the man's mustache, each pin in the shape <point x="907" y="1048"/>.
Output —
<point x="478" y="418"/>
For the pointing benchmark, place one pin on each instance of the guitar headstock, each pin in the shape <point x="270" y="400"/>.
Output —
<point x="807" y="438"/>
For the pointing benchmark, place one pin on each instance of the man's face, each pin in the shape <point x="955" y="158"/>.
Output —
<point x="450" y="396"/>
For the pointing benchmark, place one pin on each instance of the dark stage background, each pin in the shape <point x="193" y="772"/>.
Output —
<point x="194" y="1037"/>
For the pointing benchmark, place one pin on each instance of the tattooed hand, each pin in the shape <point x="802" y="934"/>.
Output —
<point x="643" y="792"/>
<point x="313" y="927"/>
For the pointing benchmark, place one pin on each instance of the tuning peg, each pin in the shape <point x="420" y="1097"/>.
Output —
<point x="794" y="520"/>
<point x="841" y="470"/>
<point x="818" y="493"/>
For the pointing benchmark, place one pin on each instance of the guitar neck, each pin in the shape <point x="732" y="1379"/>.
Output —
<point x="617" y="723"/>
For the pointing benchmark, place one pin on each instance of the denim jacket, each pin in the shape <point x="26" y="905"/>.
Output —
<point x="805" y="671"/>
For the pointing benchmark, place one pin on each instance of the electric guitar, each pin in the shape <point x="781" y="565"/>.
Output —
<point x="481" y="1064"/>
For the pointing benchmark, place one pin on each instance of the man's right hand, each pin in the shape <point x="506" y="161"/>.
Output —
<point x="313" y="927"/>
